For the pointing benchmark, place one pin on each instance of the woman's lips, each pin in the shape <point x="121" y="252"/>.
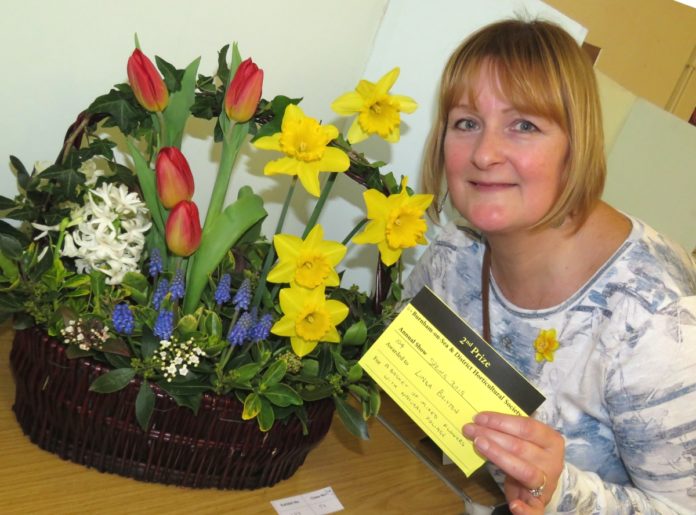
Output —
<point x="490" y="186"/>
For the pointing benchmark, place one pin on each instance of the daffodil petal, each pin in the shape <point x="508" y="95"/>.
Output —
<point x="406" y="104"/>
<point x="377" y="204"/>
<point x="373" y="233"/>
<point x="332" y="336"/>
<point x="284" y="165"/>
<point x="388" y="255"/>
<point x="356" y="134"/>
<point x="283" y="272"/>
<point x="387" y="81"/>
<point x="287" y="246"/>
<point x="365" y="89"/>
<point x="284" y="327"/>
<point x="302" y="347"/>
<point x="269" y="142"/>
<point x="334" y="160"/>
<point x="337" y="311"/>
<point x="393" y="136"/>
<point x="292" y="300"/>
<point x="333" y="251"/>
<point x="332" y="279"/>
<point x="309" y="177"/>
<point x="347" y="104"/>
<point x="292" y="115"/>
<point x="420" y="201"/>
<point x="315" y="236"/>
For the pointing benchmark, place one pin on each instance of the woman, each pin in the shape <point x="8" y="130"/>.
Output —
<point x="591" y="305"/>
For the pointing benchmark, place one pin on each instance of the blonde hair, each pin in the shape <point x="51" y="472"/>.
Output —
<point x="541" y="71"/>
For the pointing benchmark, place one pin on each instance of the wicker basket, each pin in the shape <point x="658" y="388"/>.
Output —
<point x="214" y="448"/>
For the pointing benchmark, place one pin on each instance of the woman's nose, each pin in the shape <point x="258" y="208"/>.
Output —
<point x="488" y="150"/>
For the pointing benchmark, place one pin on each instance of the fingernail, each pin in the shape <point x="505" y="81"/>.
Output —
<point x="481" y="418"/>
<point x="481" y="443"/>
<point x="469" y="430"/>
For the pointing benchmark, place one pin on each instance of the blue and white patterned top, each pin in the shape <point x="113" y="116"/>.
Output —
<point x="622" y="385"/>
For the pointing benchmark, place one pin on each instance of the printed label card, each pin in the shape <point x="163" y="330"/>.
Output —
<point x="442" y="373"/>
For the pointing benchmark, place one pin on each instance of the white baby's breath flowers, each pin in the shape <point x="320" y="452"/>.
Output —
<point x="110" y="232"/>
<point x="174" y="357"/>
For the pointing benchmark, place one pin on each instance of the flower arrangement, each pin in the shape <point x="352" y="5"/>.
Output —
<point x="114" y="261"/>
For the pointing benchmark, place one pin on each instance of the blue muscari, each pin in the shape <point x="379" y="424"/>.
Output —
<point x="240" y="331"/>
<point x="156" y="266"/>
<point x="164" y="325"/>
<point x="261" y="329"/>
<point x="123" y="319"/>
<point x="222" y="292"/>
<point x="242" y="298"/>
<point x="177" y="286"/>
<point x="160" y="292"/>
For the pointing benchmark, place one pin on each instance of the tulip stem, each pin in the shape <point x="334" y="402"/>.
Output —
<point x="319" y="206"/>
<point x="270" y="257"/>
<point x="163" y="130"/>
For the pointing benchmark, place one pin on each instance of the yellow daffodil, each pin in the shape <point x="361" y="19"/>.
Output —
<point x="308" y="318"/>
<point x="308" y="263"/>
<point x="546" y="344"/>
<point x="378" y="111"/>
<point x="304" y="142"/>
<point x="396" y="222"/>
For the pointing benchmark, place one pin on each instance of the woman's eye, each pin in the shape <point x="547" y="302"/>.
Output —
<point x="525" y="126"/>
<point x="466" y="124"/>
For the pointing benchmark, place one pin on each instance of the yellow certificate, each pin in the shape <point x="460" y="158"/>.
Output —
<point x="442" y="373"/>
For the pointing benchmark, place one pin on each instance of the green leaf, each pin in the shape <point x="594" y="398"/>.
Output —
<point x="136" y="287"/>
<point x="211" y="324"/>
<point x="149" y="344"/>
<point x="252" y="406"/>
<point x="187" y="325"/>
<point x="266" y="416"/>
<point x="116" y="346"/>
<point x="117" y="361"/>
<point x="353" y="420"/>
<point x="223" y="71"/>
<point x="121" y="106"/>
<point x="23" y="176"/>
<point x="231" y="225"/>
<point x="356" y="334"/>
<point x="193" y="402"/>
<point x="360" y="391"/>
<point x="74" y="352"/>
<point x="375" y="403"/>
<point x="282" y="395"/>
<point x="245" y="373"/>
<point x="179" y="108"/>
<point x="355" y="373"/>
<point x="316" y="392"/>
<point x="11" y="241"/>
<point x="172" y="76"/>
<point x="144" y="405"/>
<point x="9" y="268"/>
<point x="274" y="373"/>
<point x="148" y="185"/>
<point x="113" y="380"/>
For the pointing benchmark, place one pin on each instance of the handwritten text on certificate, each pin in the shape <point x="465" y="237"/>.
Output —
<point x="441" y="373"/>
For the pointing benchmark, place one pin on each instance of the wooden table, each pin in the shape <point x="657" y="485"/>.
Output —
<point x="379" y="476"/>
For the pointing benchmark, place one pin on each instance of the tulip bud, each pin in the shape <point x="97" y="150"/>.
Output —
<point x="183" y="229"/>
<point x="174" y="178"/>
<point x="244" y="92"/>
<point x="148" y="87"/>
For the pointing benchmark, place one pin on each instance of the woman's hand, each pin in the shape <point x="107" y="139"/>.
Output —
<point x="529" y="452"/>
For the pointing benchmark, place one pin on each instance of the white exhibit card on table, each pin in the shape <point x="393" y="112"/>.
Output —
<point x="318" y="502"/>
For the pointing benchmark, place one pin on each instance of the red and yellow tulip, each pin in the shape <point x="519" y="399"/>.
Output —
<point x="174" y="178"/>
<point x="244" y="92"/>
<point x="148" y="87"/>
<point x="183" y="229"/>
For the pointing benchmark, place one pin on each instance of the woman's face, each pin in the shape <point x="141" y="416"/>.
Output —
<point x="503" y="167"/>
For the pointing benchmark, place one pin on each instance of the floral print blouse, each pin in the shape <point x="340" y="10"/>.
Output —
<point x="616" y="362"/>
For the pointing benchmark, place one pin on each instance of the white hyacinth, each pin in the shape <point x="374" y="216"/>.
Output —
<point x="110" y="232"/>
<point x="94" y="168"/>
